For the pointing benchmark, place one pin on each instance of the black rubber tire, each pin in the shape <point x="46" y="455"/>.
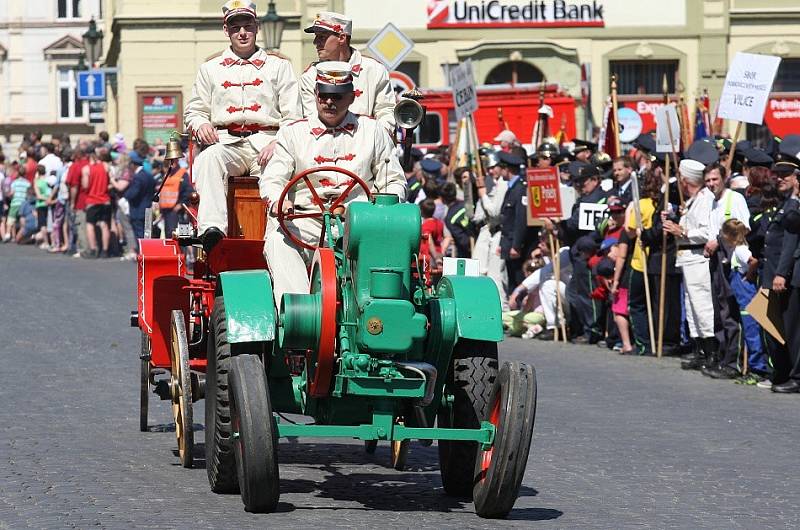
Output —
<point x="256" y="447"/>
<point x="470" y="380"/>
<point x="144" y="381"/>
<point x="497" y="482"/>
<point x="370" y="446"/>
<point x="220" y="462"/>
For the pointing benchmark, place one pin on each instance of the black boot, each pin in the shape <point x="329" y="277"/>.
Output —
<point x="698" y="358"/>
<point x="688" y="360"/>
<point x="210" y="238"/>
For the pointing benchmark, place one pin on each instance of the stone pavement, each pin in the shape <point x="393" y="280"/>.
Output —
<point x="620" y="442"/>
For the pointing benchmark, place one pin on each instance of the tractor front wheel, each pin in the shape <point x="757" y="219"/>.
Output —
<point x="255" y="441"/>
<point x="499" y="470"/>
<point x="470" y="381"/>
<point x="220" y="464"/>
<point x="144" y="381"/>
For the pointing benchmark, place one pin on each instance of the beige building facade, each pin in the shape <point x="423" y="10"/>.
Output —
<point x="156" y="48"/>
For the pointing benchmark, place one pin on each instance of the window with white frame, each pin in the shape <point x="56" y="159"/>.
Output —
<point x="69" y="106"/>
<point x="69" y="8"/>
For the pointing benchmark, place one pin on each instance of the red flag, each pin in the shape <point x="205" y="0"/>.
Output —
<point x="608" y="133"/>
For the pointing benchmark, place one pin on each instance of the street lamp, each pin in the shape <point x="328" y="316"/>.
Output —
<point x="93" y="43"/>
<point x="272" y="26"/>
<point x="82" y="63"/>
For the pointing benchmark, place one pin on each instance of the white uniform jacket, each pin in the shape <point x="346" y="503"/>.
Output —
<point x="488" y="207"/>
<point x="231" y="91"/>
<point x="359" y="144"/>
<point x="374" y="94"/>
<point x="695" y="221"/>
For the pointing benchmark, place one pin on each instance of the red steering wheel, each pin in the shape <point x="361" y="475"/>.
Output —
<point x="283" y="218"/>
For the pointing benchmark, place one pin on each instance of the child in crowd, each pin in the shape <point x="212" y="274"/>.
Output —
<point x="744" y="268"/>
<point x="41" y="190"/>
<point x="18" y="193"/>
<point x="432" y="234"/>
<point x="27" y="219"/>
<point x="529" y="320"/>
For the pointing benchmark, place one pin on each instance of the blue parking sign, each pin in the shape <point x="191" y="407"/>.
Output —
<point x="92" y="85"/>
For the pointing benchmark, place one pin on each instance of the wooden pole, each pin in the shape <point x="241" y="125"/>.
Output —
<point x="675" y="161"/>
<point x="614" y="107"/>
<point x="477" y="157"/>
<point x="556" y="256"/>
<point x="455" y="147"/>
<point x="729" y="162"/>
<point x="663" y="284"/>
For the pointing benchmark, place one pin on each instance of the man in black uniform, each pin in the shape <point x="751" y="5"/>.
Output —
<point x="586" y="180"/>
<point x="515" y="235"/>
<point x="457" y="221"/>
<point x="779" y="273"/>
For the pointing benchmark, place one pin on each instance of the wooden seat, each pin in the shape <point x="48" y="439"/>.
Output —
<point x="246" y="213"/>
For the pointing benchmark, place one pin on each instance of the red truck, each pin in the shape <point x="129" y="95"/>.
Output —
<point x="518" y="107"/>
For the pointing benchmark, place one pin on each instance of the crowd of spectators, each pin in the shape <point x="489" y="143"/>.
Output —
<point x="726" y="227"/>
<point x="86" y="199"/>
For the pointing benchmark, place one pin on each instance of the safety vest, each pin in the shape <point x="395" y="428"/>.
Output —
<point x="171" y="189"/>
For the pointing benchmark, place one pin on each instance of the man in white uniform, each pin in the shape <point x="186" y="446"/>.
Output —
<point x="487" y="243"/>
<point x="333" y="136"/>
<point x="373" y="91"/>
<point x="239" y="101"/>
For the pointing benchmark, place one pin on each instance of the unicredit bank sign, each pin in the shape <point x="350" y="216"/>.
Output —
<point x="517" y="14"/>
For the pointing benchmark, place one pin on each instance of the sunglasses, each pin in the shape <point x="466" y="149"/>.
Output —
<point x="325" y="97"/>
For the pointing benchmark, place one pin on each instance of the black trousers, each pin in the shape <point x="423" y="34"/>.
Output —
<point x="583" y="310"/>
<point x="726" y="314"/>
<point x="515" y="274"/>
<point x="791" y="326"/>
<point x="672" y="308"/>
<point x="637" y="310"/>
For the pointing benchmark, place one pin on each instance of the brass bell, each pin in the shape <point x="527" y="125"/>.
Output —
<point x="174" y="150"/>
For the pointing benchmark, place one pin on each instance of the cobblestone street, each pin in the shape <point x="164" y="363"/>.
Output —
<point x="620" y="442"/>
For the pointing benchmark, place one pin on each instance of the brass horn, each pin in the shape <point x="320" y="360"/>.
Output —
<point x="408" y="113"/>
<point x="174" y="150"/>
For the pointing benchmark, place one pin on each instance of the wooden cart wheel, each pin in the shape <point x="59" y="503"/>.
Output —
<point x="180" y="386"/>
<point x="144" y="381"/>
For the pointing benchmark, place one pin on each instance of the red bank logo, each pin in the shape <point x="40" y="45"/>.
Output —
<point x="499" y="14"/>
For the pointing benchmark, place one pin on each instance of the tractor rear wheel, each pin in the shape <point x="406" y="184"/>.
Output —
<point x="470" y="381"/>
<point x="499" y="471"/>
<point x="255" y="436"/>
<point x="220" y="463"/>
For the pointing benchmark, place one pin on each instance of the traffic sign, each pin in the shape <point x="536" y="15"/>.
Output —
<point x="92" y="85"/>
<point x="390" y="46"/>
<point x="401" y="81"/>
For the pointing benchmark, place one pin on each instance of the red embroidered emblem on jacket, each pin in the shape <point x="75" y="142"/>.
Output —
<point x="357" y="92"/>
<point x="322" y="159"/>
<point x="255" y="82"/>
<point x="254" y="107"/>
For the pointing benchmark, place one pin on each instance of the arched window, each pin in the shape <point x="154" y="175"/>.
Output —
<point x="503" y="73"/>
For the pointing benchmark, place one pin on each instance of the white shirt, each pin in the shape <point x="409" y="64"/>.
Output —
<point x="741" y="255"/>
<point x="730" y="200"/>
<point x="51" y="163"/>
<point x="359" y="144"/>
<point x="374" y="94"/>
<point x="230" y="91"/>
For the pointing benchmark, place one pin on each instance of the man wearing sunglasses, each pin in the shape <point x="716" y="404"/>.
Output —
<point x="238" y="102"/>
<point x="332" y="136"/>
<point x="372" y="90"/>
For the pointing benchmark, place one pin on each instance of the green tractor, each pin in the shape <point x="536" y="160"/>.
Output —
<point x="370" y="353"/>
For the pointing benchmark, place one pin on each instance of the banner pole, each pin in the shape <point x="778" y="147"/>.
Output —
<point x="663" y="280"/>
<point x="729" y="161"/>
<point x="455" y="147"/>
<point x="555" y="245"/>
<point x="615" y="116"/>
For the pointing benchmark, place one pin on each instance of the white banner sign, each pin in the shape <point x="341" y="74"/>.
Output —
<point x="667" y="126"/>
<point x="590" y="214"/>
<point x="462" y="82"/>
<point x="747" y="87"/>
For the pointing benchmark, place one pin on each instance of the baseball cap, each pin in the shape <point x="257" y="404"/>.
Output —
<point x="330" y="21"/>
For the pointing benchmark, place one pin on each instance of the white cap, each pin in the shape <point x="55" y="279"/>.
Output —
<point x="506" y="136"/>
<point x="691" y="168"/>
<point x="333" y="22"/>
<point x="739" y="182"/>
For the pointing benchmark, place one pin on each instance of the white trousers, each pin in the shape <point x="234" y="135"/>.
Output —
<point x="697" y="294"/>
<point x="287" y="262"/>
<point x="549" y="300"/>
<point x="490" y="263"/>
<point x="211" y="170"/>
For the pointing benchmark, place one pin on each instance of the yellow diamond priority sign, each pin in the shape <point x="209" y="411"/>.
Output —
<point x="390" y="46"/>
